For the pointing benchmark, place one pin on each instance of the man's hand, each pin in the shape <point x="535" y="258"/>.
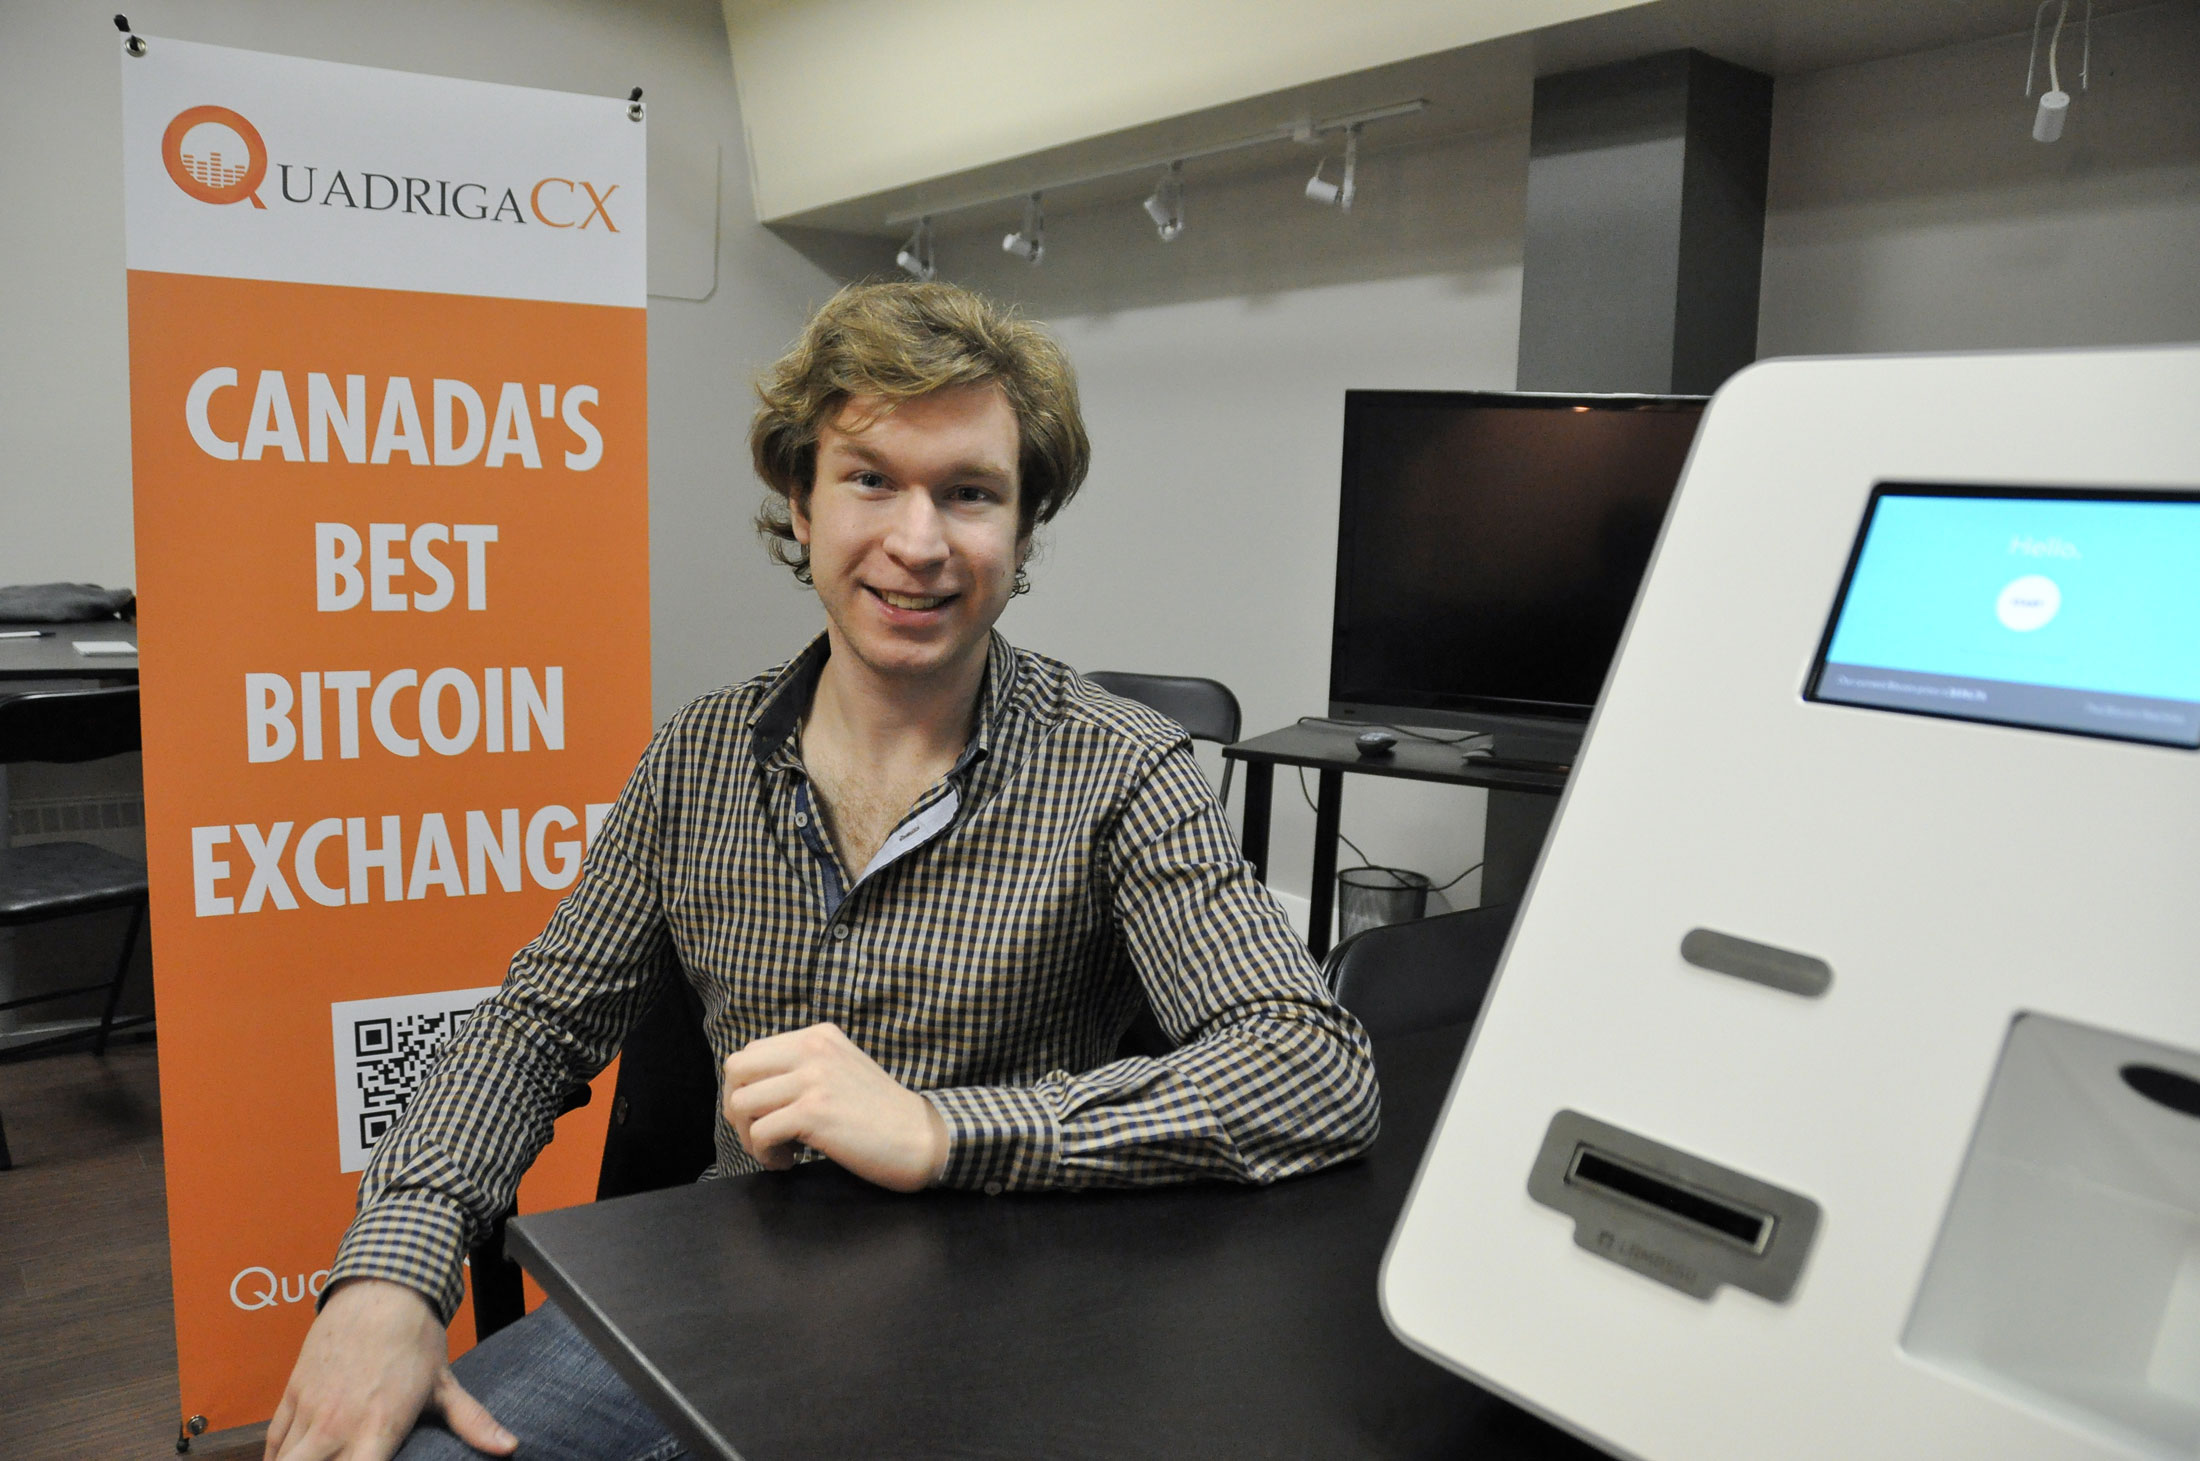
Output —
<point x="374" y="1359"/>
<point x="814" y="1088"/>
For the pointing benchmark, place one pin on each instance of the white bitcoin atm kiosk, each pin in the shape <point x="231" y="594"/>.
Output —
<point x="1839" y="1093"/>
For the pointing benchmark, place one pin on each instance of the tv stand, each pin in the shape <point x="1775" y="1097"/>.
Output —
<point x="1521" y="801"/>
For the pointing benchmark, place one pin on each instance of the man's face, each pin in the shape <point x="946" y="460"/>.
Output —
<point x="911" y="527"/>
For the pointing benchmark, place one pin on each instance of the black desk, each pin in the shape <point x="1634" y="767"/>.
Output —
<point x="1520" y="803"/>
<point x="54" y="657"/>
<point x="807" y="1314"/>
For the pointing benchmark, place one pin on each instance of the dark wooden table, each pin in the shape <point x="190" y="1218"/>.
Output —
<point x="809" y="1315"/>
<point x="1520" y="802"/>
<point x="53" y="656"/>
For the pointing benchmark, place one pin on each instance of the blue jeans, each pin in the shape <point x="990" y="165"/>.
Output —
<point x="548" y="1386"/>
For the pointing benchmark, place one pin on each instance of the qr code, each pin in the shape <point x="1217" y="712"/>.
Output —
<point x="384" y="1048"/>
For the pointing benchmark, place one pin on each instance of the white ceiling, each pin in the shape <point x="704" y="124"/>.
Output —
<point x="1476" y="88"/>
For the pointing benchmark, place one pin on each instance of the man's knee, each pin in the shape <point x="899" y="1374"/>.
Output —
<point x="547" y="1385"/>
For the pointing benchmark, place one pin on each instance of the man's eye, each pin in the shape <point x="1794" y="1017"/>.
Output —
<point x="870" y="479"/>
<point x="974" y="494"/>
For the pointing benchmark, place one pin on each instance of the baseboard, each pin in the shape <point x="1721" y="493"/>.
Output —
<point x="65" y="816"/>
<point x="57" y="1029"/>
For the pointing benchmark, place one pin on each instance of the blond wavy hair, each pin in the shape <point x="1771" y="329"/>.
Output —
<point x="897" y="341"/>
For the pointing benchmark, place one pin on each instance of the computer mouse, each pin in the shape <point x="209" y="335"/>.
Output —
<point x="1375" y="742"/>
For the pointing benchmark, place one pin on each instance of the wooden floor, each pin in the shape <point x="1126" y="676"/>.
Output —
<point x="87" y="1329"/>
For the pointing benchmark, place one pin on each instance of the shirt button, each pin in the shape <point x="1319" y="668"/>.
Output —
<point x="801" y="819"/>
<point x="840" y="931"/>
<point x="993" y="1189"/>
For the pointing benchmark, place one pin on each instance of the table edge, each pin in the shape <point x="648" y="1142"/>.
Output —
<point x="697" y="1434"/>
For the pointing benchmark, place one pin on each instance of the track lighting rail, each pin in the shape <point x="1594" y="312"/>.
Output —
<point x="1305" y="131"/>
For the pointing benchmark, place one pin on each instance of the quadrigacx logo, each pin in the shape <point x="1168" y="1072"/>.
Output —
<point x="217" y="156"/>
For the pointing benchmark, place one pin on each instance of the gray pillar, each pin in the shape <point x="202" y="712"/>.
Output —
<point x="1646" y="214"/>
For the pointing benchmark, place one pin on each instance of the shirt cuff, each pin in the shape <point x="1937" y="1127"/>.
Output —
<point x="998" y="1138"/>
<point x="418" y="1242"/>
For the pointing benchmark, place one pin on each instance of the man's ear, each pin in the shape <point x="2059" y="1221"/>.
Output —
<point x="798" y="516"/>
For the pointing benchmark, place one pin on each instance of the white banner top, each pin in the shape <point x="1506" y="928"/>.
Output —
<point x="249" y="166"/>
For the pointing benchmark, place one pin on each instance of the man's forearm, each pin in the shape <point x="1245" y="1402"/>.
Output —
<point x="1268" y="1096"/>
<point x="453" y="1164"/>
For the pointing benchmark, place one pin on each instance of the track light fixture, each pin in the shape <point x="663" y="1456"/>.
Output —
<point x="1338" y="194"/>
<point x="2047" y="122"/>
<point x="1029" y="243"/>
<point x="1165" y="204"/>
<point x="915" y="257"/>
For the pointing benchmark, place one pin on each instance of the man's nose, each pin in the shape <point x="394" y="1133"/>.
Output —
<point x="917" y="537"/>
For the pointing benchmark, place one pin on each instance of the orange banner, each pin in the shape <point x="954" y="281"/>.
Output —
<point x="393" y="582"/>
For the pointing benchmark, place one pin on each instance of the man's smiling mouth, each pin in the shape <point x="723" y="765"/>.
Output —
<point x="913" y="601"/>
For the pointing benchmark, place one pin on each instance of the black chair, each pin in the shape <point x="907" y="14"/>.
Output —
<point x="1205" y="708"/>
<point x="62" y="879"/>
<point x="1405" y="977"/>
<point x="664" y="1114"/>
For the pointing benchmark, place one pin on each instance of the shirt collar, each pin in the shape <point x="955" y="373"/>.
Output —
<point x="994" y="698"/>
<point x="788" y="693"/>
<point x="785" y="696"/>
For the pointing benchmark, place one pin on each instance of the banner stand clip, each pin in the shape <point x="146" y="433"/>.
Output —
<point x="135" y="44"/>
<point x="633" y="103"/>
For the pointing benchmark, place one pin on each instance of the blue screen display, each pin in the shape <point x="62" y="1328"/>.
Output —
<point x="2073" y="612"/>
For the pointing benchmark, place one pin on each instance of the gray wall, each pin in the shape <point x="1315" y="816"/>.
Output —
<point x="1214" y="370"/>
<point x="1910" y="209"/>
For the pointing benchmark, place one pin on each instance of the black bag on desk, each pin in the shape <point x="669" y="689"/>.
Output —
<point x="64" y="603"/>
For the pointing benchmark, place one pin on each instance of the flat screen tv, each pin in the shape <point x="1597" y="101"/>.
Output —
<point x="1489" y="546"/>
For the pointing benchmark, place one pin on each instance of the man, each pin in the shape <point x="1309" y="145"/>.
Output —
<point x="922" y="882"/>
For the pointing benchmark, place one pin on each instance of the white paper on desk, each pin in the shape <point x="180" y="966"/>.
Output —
<point x="105" y="646"/>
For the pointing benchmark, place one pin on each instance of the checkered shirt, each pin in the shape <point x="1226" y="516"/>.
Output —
<point x="1071" y="865"/>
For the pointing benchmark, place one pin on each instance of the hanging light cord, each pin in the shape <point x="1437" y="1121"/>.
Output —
<point x="2085" y="54"/>
<point x="2054" y="42"/>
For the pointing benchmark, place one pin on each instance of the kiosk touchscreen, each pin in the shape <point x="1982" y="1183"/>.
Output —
<point x="1910" y="631"/>
<point x="1839" y="1092"/>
